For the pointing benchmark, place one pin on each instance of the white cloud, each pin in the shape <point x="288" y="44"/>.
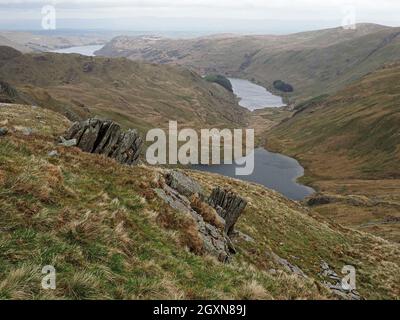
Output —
<point x="286" y="11"/>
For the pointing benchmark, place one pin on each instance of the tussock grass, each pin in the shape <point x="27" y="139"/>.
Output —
<point x="87" y="216"/>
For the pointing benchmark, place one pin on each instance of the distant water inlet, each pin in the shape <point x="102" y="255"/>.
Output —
<point x="82" y="50"/>
<point x="272" y="170"/>
<point x="253" y="96"/>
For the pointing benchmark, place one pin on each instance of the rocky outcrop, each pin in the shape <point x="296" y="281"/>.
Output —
<point x="215" y="242"/>
<point x="353" y="200"/>
<point x="106" y="137"/>
<point x="286" y="264"/>
<point x="228" y="205"/>
<point x="334" y="283"/>
<point x="183" y="184"/>
<point x="223" y="207"/>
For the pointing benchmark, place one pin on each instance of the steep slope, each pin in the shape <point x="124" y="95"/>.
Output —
<point x="138" y="94"/>
<point x="351" y="141"/>
<point x="100" y="224"/>
<point x="313" y="62"/>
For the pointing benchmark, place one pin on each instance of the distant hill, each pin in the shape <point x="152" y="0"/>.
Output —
<point x="349" y="143"/>
<point x="9" y="43"/>
<point x="361" y="122"/>
<point x="312" y="62"/>
<point x="136" y="94"/>
<point x="36" y="41"/>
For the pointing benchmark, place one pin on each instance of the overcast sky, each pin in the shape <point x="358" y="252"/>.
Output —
<point x="277" y="16"/>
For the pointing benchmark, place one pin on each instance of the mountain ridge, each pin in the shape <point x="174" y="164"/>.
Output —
<point x="313" y="62"/>
<point x="139" y="94"/>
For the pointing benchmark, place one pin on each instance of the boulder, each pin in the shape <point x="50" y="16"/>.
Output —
<point x="67" y="143"/>
<point x="106" y="137"/>
<point x="183" y="184"/>
<point x="53" y="154"/>
<point x="228" y="205"/>
<point x="3" y="131"/>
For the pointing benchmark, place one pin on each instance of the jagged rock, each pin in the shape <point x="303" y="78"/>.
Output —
<point x="229" y="206"/>
<point x="3" y="131"/>
<point x="334" y="283"/>
<point x="183" y="184"/>
<point x="68" y="143"/>
<point x="106" y="137"/>
<point x="214" y="241"/>
<point x="286" y="264"/>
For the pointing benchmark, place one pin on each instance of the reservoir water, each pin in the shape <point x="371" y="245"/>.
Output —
<point x="83" y="50"/>
<point x="253" y="96"/>
<point x="274" y="171"/>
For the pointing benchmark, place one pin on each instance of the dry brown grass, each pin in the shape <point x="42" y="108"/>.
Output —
<point x="187" y="227"/>
<point x="102" y="236"/>
<point x="207" y="212"/>
<point x="254" y="291"/>
<point x="2" y="178"/>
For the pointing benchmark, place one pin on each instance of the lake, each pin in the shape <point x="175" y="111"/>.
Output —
<point x="253" y="96"/>
<point x="83" y="50"/>
<point x="272" y="170"/>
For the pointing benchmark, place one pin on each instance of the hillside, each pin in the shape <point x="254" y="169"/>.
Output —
<point x="349" y="143"/>
<point x="136" y="94"/>
<point x="121" y="241"/>
<point x="313" y="62"/>
<point x="47" y="41"/>
<point x="9" y="43"/>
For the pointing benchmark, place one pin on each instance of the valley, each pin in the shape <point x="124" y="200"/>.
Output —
<point x="343" y="127"/>
<point x="76" y="191"/>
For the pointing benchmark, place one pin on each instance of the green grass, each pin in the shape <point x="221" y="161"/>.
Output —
<point x="87" y="216"/>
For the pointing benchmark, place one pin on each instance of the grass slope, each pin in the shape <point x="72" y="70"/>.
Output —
<point x="350" y="142"/>
<point x="99" y="225"/>
<point x="135" y="94"/>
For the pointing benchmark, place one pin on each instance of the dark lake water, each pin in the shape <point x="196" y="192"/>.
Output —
<point x="83" y="50"/>
<point x="275" y="171"/>
<point x="272" y="170"/>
